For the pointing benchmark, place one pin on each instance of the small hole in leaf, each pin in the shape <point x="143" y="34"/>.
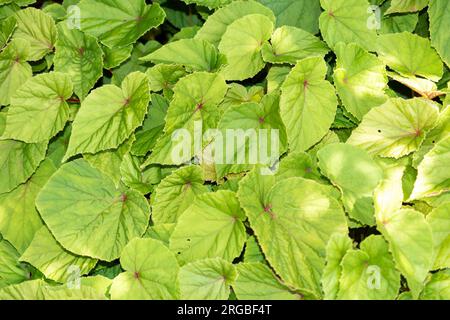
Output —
<point x="178" y="252"/>
<point x="379" y="131"/>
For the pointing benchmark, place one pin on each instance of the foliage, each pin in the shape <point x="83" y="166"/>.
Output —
<point x="97" y="190"/>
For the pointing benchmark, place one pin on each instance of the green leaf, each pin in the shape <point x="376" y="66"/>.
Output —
<point x="292" y="227"/>
<point x="198" y="55"/>
<point x="163" y="77"/>
<point x="151" y="272"/>
<point x="437" y="287"/>
<point x="253" y="251"/>
<point x="108" y="270"/>
<point x="38" y="29"/>
<point x="426" y="88"/>
<point x="142" y="180"/>
<point x="396" y="50"/>
<point x="347" y="21"/>
<point x="109" y="161"/>
<point x="439" y="220"/>
<point x="242" y="149"/>
<point x="408" y="179"/>
<point x="217" y="23"/>
<point x="356" y="174"/>
<point x="161" y="232"/>
<point x="180" y="18"/>
<point x="303" y="14"/>
<point x="38" y="108"/>
<point x="195" y="102"/>
<point x="186" y="33"/>
<point x="413" y="258"/>
<point x="211" y="227"/>
<point x="369" y="273"/>
<point x="337" y="247"/>
<point x="11" y="271"/>
<point x="276" y="77"/>
<point x="114" y="57"/>
<point x="19" y="220"/>
<point x="116" y="23"/>
<point x="58" y="146"/>
<point x="438" y="200"/>
<point x="152" y="128"/>
<point x="389" y="194"/>
<point x="396" y="128"/>
<point x="400" y="6"/>
<point x="261" y="123"/>
<point x="238" y="94"/>
<point x="439" y="13"/>
<point x="14" y="70"/>
<point x="109" y="115"/>
<point x="52" y="260"/>
<point x="290" y="44"/>
<point x="211" y="4"/>
<point x="440" y="131"/>
<point x="397" y="23"/>
<point x="360" y="79"/>
<point x="344" y="120"/>
<point x="330" y="138"/>
<point x="298" y="164"/>
<point x="175" y="193"/>
<point x="207" y="279"/>
<point x="7" y="28"/>
<point x="55" y="10"/>
<point x="242" y="43"/>
<point x="41" y="290"/>
<point x="256" y="281"/>
<point x="99" y="283"/>
<point x="21" y="3"/>
<point x="88" y="215"/>
<point x="307" y="109"/>
<point x="79" y="56"/>
<point x="133" y="64"/>
<point x="18" y="161"/>
<point x="433" y="178"/>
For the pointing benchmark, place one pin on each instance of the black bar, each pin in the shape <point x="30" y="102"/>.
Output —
<point x="181" y="310"/>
